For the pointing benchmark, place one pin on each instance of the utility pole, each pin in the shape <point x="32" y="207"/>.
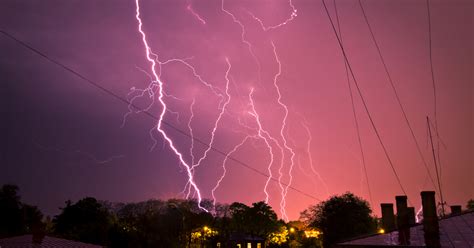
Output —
<point x="436" y="168"/>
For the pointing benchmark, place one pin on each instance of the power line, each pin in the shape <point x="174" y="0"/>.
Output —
<point x="354" y="111"/>
<point x="363" y="100"/>
<point x="97" y="85"/>
<point x="435" y="102"/>
<point x="396" y="92"/>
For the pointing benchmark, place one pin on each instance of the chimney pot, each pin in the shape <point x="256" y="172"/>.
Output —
<point x="430" y="219"/>
<point x="411" y="216"/>
<point x="38" y="233"/>
<point x="388" y="217"/>
<point x="456" y="209"/>
<point x="403" y="220"/>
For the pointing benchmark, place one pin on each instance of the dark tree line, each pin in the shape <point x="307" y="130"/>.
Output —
<point x="157" y="223"/>
<point x="181" y="223"/>
<point x="17" y="217"/>
<point x="341" y="217"/>
<point x="152" y="223"/>
<point x="87" y="220"/>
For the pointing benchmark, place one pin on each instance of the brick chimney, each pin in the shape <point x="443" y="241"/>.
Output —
<point x="388" y="217"/>
<point x="456" y="209"/>
<point x="411" y="216"/>
<point x="403" y="220"/>
<point x="430" y="219"/>
<point x="38" y="233"/>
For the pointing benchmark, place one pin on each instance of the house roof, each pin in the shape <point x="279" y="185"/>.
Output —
<point x="244" y="237"/>
<point x="455" y="231"/>
<point x="26" y="241"/>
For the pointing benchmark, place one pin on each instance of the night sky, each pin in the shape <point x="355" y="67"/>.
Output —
<point x="63" y="138"/>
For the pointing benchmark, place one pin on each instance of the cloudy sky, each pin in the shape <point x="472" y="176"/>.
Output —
<point x="63" y="138"/>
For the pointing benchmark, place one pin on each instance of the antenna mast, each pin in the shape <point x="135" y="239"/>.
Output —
<point x="436" y="168"/>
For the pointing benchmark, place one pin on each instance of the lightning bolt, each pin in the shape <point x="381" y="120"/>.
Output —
<point x="214" y="90"/>
<point x="280" y="176"/>
<point x="141" y="93"/>
<point x="299" y="163"/>
<point x="310" y="157"/>
<point x="244" y="40"/>
<point x="195" y="14"/>
<point x="191" y="132"/>
<point x="213" y="133"/>
<point x="88" y="155"/>
<point x="224" y="169"/>
<point x="268" y="139"/>
<point x="191" y="147"/>
<point x="152" y="88"/>
<point x="284" y="191"/>
<point x="156" y="92"/>
<point x="261" y="131"/>
<point x="418" y="214"/>
<point x="292" y="16"/>
<point x="282" y="130"/>
<point x="156" y="80"/>
<point x="263" y="135"/>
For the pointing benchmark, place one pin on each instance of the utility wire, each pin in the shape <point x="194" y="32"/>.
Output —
<point x="363" y="100"/>
<point x="435" y="102"/>
<point x="98" y="86"/>
<point x="396" y="93"/>
<point x="354" y="110"/>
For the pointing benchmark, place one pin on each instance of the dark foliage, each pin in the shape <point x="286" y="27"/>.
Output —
<point x="258" y="220"/>
<point x="87" y="221"/>
<point x="341" y="217"/>
<point x="470" y="204"/>
<point x="16" y="218"/>
<point x="171" y="223"/>
<point x="157" y="223"/>
<point x="262" y="219"/>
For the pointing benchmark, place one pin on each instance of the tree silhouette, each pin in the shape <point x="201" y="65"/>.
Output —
<point x="157" y="223"/>
<point x="259" y="220"/>
<point x="239" y="217"/>
<point x="341" y="217"/>
<point x="87" y="221"/>
<point x="470" y="204"/>
<point x="16" y="217"/>
<point x="262" y="219"/>
<point x="10" y="211"/>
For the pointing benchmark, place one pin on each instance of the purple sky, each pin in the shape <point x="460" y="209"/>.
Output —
<point x="63" y="138"/>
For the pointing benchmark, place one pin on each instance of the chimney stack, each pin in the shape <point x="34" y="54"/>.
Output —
<point x="430" y="219"/>
<point x="38" y="232"/>
<point x="388" y="217"/>
<point x="411" y="216"/>
<point x="403" y="220"/>
<point x="456" y="209"/>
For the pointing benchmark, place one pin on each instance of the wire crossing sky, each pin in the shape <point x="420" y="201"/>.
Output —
<point x="248" y="100"/>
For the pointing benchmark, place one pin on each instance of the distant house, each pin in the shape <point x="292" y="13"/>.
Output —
<point x="455" y="230"/>
<point x="26" y="241"/>
<point x="237" y="240"/>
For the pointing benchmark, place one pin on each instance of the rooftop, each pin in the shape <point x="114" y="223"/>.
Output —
<point x="455" y="231"/>
<point x="26" y="241"/>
